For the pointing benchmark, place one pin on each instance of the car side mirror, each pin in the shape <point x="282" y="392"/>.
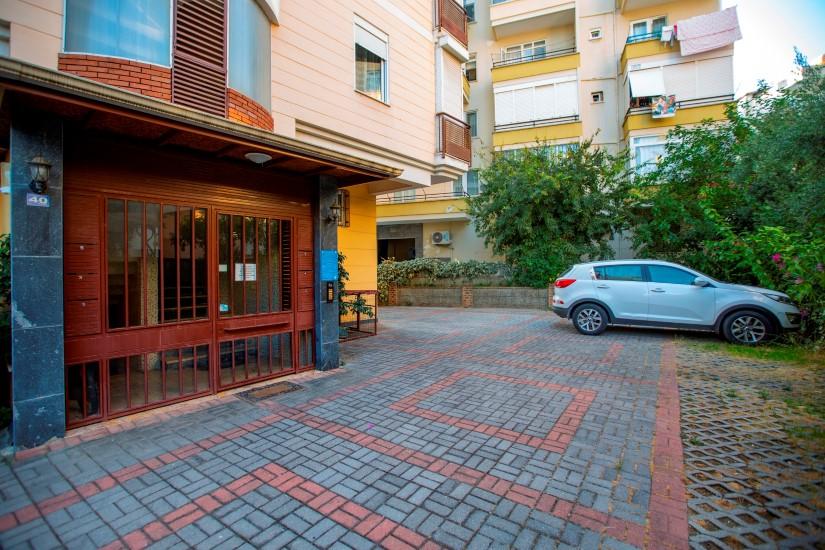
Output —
<point x="700" y="282"/>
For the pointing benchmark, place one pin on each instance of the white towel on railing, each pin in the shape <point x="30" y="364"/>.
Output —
<point x="708" y="32"/>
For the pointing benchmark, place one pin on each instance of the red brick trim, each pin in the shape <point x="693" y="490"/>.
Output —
<point x="141" y="78"/>
<point x="667" y="525"/>
<point x="245" y="109"/>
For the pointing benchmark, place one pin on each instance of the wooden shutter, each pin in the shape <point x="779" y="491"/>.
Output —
<point x="199" y="69"/>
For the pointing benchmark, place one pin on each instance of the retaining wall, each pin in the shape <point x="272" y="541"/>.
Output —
<point x="469" y="296"/>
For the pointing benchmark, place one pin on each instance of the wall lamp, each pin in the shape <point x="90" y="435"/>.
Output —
<point x="40" y="169"/>
<point x="334" y="212"/>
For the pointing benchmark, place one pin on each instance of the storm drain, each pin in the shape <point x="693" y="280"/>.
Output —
<point x="259" y="394"/>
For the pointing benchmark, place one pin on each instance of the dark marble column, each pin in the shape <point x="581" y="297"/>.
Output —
<point x="39" y="408"/>
<point x="326" y="244"/>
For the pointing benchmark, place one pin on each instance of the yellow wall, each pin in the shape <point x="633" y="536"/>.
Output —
<point x="359" y="241"/>
<point x="5" y="213"/>
<point x="534" y="68"/>
<point x="646" y="49"/>
<point x="422" y="208"/>
<point x="690" y="115"/>
<point x="542" y="133"/>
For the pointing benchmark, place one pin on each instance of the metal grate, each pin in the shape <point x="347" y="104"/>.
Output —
<point x="199" y="68"/>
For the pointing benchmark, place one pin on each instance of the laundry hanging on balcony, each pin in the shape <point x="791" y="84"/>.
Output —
<point x="646" y="82"/>
<point x="708" y="32"/>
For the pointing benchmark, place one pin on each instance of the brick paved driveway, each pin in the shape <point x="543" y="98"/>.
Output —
<point x="451" y="428"/>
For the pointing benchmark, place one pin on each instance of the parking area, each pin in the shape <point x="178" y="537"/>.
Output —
<point x="451" y="428"/>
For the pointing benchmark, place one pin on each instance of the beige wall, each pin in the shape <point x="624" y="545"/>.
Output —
<point x="466" y="245"/>
<point x="36" y="28"/>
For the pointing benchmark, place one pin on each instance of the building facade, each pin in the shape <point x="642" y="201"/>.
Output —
<point x="560" y="71"/>
<point x="181" y="176"/>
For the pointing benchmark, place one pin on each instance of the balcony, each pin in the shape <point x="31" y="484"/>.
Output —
<point x="512" y="17"/>
<point x="453" y="138"/>
<point x="420" y="195"/>
<point x="508" y="68"/>
<point x="452" y="18"/>
<point x="644" y="45"/>
<point x="632" y="5"/>
<point x="516" y="133"/>
<point x="422" y="207"/>
<point x="689" y="111"/>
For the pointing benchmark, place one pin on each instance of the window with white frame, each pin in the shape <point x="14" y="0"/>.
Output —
<point x="470" y="68"/>
<point x="404" y="196"/>
<point x="647" y="27"/>
<point x="139" y="30"/>
<point x="473" y="184"/>
<point x="371" y="55"/>
<point x="472" y="122"/>
<point x="647" y="152"/>
<point x="543" y="100"/>
<point x="525" y="52"/>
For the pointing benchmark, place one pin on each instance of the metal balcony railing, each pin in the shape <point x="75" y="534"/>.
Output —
<point x="500" y="60"/>
<point x="633" y="38"/>
<point x="453" y="138"/>
<point x="451" y="17"/>
<point x="684" y="104"/>
<point x="536" y="123"/>
<point x="421" y="196"/>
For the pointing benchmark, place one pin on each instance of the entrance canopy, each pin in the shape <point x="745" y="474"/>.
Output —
<point x="96" y="107"/>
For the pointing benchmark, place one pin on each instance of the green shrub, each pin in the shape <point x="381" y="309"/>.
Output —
<point x="400" y="273"/>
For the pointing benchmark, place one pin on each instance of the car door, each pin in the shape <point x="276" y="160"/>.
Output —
<point x="623" y="288"/>
<point x="675" y="299"/>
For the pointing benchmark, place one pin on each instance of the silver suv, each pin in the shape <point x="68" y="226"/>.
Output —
<point x="651" y="293"/>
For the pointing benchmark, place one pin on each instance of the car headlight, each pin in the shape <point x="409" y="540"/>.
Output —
<point x="780" y="299"/>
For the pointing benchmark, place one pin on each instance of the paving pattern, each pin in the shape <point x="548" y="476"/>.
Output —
<point x="749" y="484"/>
<point x="451" y="428"/>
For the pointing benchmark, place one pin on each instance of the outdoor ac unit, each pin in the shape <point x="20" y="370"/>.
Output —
<point x="441" y="237"/>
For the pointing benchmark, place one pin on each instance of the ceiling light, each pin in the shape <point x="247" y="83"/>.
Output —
<point x="258" y="158"/>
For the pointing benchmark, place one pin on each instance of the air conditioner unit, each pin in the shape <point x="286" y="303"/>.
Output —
<point x="441" y="237"/>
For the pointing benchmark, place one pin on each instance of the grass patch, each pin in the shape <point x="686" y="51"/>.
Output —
<point x="772" y="352"/>
<point x="807" y="433"/>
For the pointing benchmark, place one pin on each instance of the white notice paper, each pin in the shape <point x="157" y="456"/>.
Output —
<point x="250" y="272"/>
<point x="238" y="272"/>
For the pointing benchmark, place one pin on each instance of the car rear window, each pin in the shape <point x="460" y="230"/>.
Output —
<point x="619" y="272"/>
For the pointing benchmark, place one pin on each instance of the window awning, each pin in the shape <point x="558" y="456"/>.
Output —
<point x="370" y="41"/>
<point x="646" y="82"/>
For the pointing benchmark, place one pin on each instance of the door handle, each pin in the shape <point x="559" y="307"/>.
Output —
<point x="656" y="290"/>
<point x="602" y="286"/>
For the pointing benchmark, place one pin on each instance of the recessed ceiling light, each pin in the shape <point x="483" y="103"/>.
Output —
<point x="258" y="158"/>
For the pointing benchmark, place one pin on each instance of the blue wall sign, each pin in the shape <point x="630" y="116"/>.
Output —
<point x="329" y="265"/>
<point x="33" y="199"/>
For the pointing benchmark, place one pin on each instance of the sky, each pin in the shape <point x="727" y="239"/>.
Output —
<point x="770" y="30"/>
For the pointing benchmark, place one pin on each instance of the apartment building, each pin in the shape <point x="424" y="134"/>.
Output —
<point x="181" y="175"/>
<point x="621" y="72"/>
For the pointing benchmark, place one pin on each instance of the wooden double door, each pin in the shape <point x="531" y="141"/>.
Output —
<point x="174" y="295"/>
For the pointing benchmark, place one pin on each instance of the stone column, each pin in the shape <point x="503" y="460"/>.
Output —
<point x="39" y="408"/>
<point x="466" y="296"/>
<point x="326" y="242"/>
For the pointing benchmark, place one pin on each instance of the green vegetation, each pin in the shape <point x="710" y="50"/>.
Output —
<point x="5" y="326"/>
<point x="356" y="305"/>
<point x="733" y="394"/>
<point x="543" y="210"/>
<point x="432" y="270"/>
<point x="782" y="353"/>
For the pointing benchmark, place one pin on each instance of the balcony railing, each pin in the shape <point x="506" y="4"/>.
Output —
<point x="421" y="196"/>
<point x="536" y="123"/>
<point x="453" y="137"/>
<point x="632" y="39"/>
<point x="452" y="18"/>
<point x="500" y="60"/>
<point x="684" y="104"/>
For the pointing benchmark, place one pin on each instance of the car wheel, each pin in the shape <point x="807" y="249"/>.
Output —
<point x="748" y="328"/>
<point x="590" y="319"/>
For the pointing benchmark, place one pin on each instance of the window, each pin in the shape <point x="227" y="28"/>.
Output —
<point x="644" y="27"/>
<point x="472" y="122"/>
<point x="647" y="151"/>
<point x="470" y="8"/>
<point x="597" y="97"/>
<point x="669" y="275"/>
<point x="249" y="51"/>
<point x="544" y="100"/>
<point x="619" y="273"/>
<point x="562" y="148"/>
<point x="371" y="61"/>
<point x="139" y="30"/>
<point x="470" y="68"/>
<point x="403" y="196"/>
<point x="5" y="38"/>
<point x="473" y="186"/>
<point x="595" y="33"/>
<point x="458" y="186"/>
<point x="525" y="52"/>
<point x="343" y="202"/>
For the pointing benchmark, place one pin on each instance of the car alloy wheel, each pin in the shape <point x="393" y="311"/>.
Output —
<point x="748" y="329"/>
<point x="589" y="320"/>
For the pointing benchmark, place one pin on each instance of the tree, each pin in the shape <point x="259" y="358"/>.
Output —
<point x="544" y="210"/>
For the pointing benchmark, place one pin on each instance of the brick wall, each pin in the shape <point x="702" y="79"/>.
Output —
<point x="142" y="78"/>
<point x="244" y="109"/>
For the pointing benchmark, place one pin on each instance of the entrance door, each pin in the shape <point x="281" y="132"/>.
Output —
<point x="166" y="300"/>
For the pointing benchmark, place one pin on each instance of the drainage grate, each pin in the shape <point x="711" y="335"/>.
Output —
<point x="272" y="390"/>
